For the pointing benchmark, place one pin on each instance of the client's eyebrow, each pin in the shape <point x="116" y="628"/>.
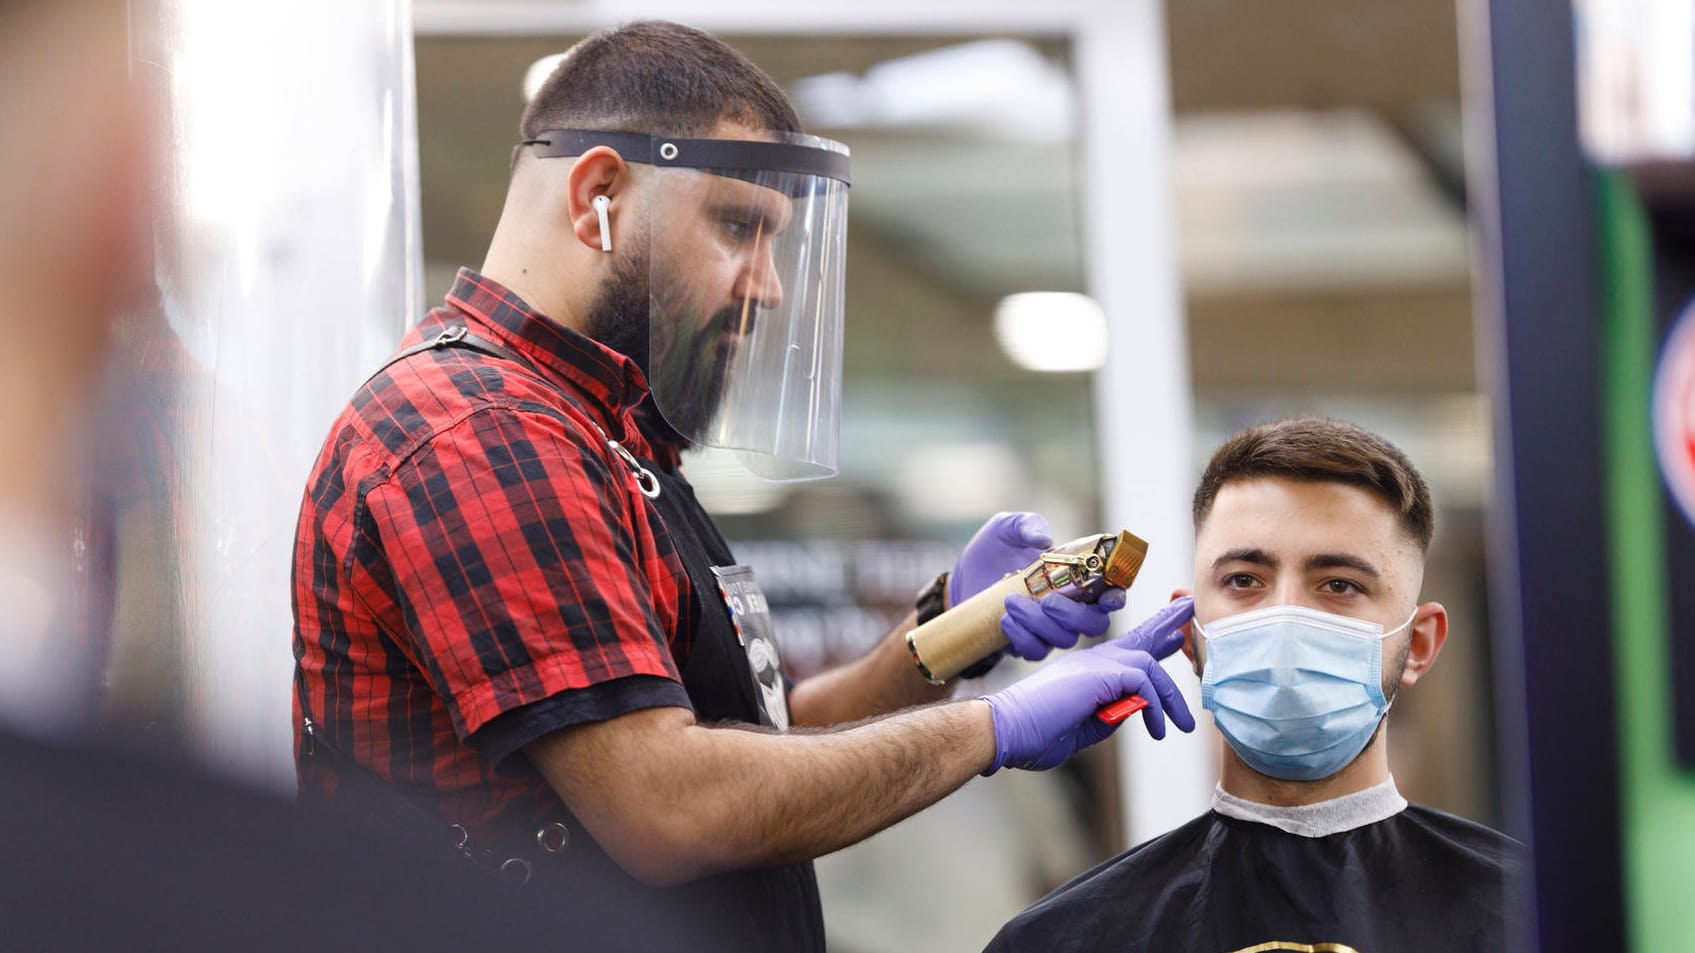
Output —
<point x="1259" y="557"/>
<point x="1342" y="561"/>
<point x="1254" y="555"/>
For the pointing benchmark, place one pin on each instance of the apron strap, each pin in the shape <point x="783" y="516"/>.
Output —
<point x="460" y="336"/>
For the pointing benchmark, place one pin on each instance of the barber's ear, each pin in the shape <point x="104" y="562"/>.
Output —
<point x="1188" y="631"/>
<point x="1428" y="631"/>
<point x="597" y="173"/>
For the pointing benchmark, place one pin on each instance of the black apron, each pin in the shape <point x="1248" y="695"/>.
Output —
<point x="762" y="910"/>
<point x="776" y="908"/>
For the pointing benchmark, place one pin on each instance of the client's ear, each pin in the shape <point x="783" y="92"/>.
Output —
<point x="1428" y="632"/>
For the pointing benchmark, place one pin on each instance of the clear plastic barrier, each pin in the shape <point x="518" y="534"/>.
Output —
<point x="286" y="267"/>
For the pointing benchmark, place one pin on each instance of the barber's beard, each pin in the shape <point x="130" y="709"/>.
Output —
<point x="689" y="363"/>
<point x="618" y="316"/>
<point x="686" y="371"/>
<point x="691" y="374"/>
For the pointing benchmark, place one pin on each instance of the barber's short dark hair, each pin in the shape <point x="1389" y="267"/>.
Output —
<point x="659" y="78"/>
<point x="1322" y="450"/>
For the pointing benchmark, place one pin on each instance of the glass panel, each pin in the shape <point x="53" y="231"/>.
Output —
<point x="285" y="268"/>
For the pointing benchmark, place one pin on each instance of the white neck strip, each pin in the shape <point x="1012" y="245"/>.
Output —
<point x="1376" y="803"/>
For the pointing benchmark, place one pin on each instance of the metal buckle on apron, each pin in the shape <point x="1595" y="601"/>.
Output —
<point x="644" y="477"/>
<point x="551" y="839"/>
<point x="516" y="871"/>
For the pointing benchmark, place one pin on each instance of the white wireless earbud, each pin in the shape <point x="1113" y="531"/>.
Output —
<point x="601" y="203"/>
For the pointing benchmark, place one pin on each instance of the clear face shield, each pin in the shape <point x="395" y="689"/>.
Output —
<point x="746" y="252"/>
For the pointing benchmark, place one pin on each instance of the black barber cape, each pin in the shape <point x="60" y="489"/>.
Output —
<point x="1414" y="881"/>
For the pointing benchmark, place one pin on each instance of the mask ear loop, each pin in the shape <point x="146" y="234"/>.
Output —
<point x="601" y="203"/>
<point x="1403" y="625"/>
<point x="1390" y="701"/>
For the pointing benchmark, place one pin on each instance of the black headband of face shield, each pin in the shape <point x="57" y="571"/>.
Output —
<point x="736" y="158"/>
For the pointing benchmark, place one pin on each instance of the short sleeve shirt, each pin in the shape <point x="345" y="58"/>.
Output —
<point x="475" y="568"/>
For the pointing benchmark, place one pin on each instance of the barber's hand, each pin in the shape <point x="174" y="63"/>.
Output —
<point x="1006" y="543"/>
<point x="1033" y="628"/>
<point x="1162" y="633"/>
<point x="1049" y="716"/>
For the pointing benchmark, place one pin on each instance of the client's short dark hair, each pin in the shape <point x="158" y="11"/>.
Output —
<point x="1318" y="449"/>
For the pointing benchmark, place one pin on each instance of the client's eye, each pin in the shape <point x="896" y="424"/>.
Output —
<point x="1340" y="587"/>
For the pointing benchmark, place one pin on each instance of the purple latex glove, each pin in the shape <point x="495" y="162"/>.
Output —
<point x="1006" y="543"/>
<point x="1034" y="628"/>
<point x="1046" y="718"/>
<point x="1162" y="633"/>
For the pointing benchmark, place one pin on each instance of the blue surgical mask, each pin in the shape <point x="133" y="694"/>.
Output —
<point x="1297" y="692"/>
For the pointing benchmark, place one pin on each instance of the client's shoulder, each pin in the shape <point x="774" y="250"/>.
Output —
<point x="1179" y="845"/>
<point x="1114" y="894"/>
<point x="1469" y="837"/>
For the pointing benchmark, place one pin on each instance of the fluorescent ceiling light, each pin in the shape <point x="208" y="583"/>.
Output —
<point x="1052" y="331"/>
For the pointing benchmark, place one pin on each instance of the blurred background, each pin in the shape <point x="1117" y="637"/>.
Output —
<point x="1088" y="240"/>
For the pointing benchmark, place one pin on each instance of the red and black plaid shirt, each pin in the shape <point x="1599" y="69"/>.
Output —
<point x="474" y="568"/>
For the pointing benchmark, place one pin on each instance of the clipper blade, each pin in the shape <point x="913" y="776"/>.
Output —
<point x="1126" y="560"/>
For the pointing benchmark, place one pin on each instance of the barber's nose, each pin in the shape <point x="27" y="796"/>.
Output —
<point x="759" y="282"/>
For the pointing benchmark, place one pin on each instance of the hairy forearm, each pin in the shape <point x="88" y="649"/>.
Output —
<point x="696" y="800"/>
<point x="881" y="681"/>
<point x="821" y="791"/>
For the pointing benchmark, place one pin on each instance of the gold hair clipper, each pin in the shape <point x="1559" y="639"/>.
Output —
<point x="1079" y="570"/>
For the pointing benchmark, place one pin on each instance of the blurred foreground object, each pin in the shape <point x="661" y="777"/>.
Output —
<point x="110" y="851"/>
